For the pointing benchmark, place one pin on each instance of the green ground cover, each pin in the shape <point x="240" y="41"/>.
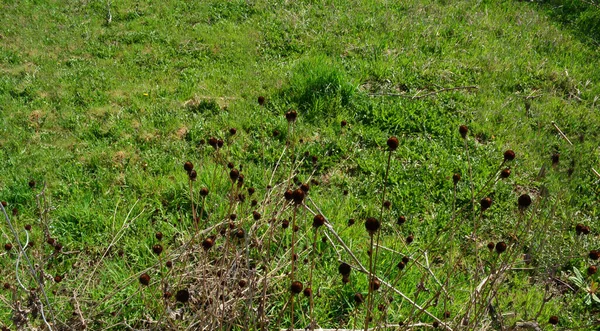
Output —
<point x="101" y="117"/>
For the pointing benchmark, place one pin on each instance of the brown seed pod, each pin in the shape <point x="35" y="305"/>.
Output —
<point x="343" y="123"/>
<point x="145" y="279"/>
<point x="28" y="227"/>
<point x="485" y="203"/>
<point x="212" y="141"/>
<point x="393" y="143"/>
<point x="410" y="239"/>
<point x="158" y="235"/>
<point x="387" y="204"/>
<point x="372" y="225"/>
<point x="192" y="175"/>
<point x="232" y="217"/>
<point x="305" y="188"/>
<point x="505" y="173"/>
<point x="182" y="295"/>
<point x="242" y="283"/>
<point x="307" y="292"/>
<point x="351" y="222"/>
<point x="553" y="320"/>
<point x="318" y="220"/>
<point x="463" y="129"/>
<point x="58" y="247"/>
<point x="230" y="165"/>
<point x="345" y="192"/>
<point x="288" y="195"/>
<point x="375" y="284"/>
<point x="296" y="287"/>
<point x="435" y="324"/>
<point x="491" y="246"/>
<point x="456" y="178"/>
<point x="58" y="278"/>
<point x="203" y="191"/>
<point x="586" y="230"/>
<point x="188" y="166"/>
<point x="169" y="264"/>
<point x="298" y="196"/>
<point x="6" y="286"/>
<point x="256" y="215"/>
<point x="220" y="143"/>
<point x="405" y="259"/>
<point x="261" y="100"/>
<point x="501" y="247"/>
<point x="509" y="155"/>
<point x="240" y="233"/>
<point x="345" y="279"/>
<point x="594" y="255"/>
<point x="291" y="116"/>
<point x="401" y="220"/>
<point x="358" y="298"/>
<point x="285" y="224"/>
<point x="251" y="191"/>
<point x="524" y="201"/>
<point x="157" y="249"/>
<point x="31" y="183"/>
<point x="344" y="269"/>
<point x="579" y="228"/>
<point x="401" y="265"/>
<point x="232" y="131"/>
<point x="446" y="314"/>
<point x="234" y="174"/>
<point x="592" y="270"/>
<point x="208" y="243"/>
<point x="8" y="246"/>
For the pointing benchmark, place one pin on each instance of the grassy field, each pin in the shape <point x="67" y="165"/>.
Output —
<point x="101" y="104"/>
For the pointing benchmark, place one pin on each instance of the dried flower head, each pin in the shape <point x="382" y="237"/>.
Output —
<point x="344" y="269"/>
<point x="501" y="247"/>
<point x="555" y="158"/>
<point x="401" y="220"/>
<point x="251" y="190"/>
<point x="318" y="220"/>
<point x="31" y="183"/>
<point x="208" y="243"/>
<point x="296" y="287"/>
<point x="485" y="203"/>
<point x="358" y="298"/>
<point x="256" y="215"/>
<point x="351" y="222"/>
<point x="188" y="166"/>
<point x="594" y="254"/>
<point x="463" y="129"/>
<point x="203" y="191"/>
<point x="288" y="195"/>
<point x="261" y="100"/>
<point x="192" y="175"/>
<point x="343" y="123"/>
<point x="375" y="284"/>
<point x="212" y="141"/>
<point x="393" y="143"/>
<point x="307" y="292"/>
<point x="182" y="295"/>
<point x="145" y="279"/>
<point x="524" y="201"/>
<point x="28" y="227"/>
<point x="234" y="174"/>
<point x="410" y="239"/>
<point x="8" y="246"/>
<point x="285" y="224"/>
<point x="553" y="320"/>
<point x="509" y="155"/>
<point x="305" y="188"/>
<point x="491" y="246"/>
<point x="387" y="204"/>
<point x="158" y="235"/>
<point x="456" y="178"/>
<point x="232" y="131"/>
<point x="298" y="196"/>
<point x="58" y="278"/>
<point x="505" y="173"/>
<point x="592" y="270"/>
<point x="401" y="265"/>
<point x="157" y="249"/>
<point x="372" y="225"/>
<point x="291" y="116"/>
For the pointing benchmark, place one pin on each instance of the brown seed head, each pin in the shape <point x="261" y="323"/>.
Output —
<point x="372" y="225"/>
<point x="358" y="298"/>
<point x="435" y="324"/>
<point x="446" y="314"/>
<point x="288" y="195"/>
<point x="305" y="188"/>
<point x="8" y="246"/>
<point x="463" y="129"/>
<point x="240" y="233"/>
<point x="298" y="196"/>
<point x="285" y="224"/>
<point x="410" y="239"/>
<point x="375" y="284"/>
<point x="208" y="243"/>
<point x="491" y="246"/>
<point x="182" y="296"/>
<point x="501" y="247"/>
<point x="555" y="158"/>
<point x="261" y="100"/>
<point x="203" y="191"/>
<point x="505" y="173"/>
<point x="251" y="190"/>
<point x="167" y="295"/>
<point x="343" y="123"/>
<point x="28" y="227"/>
<point x="586" y="230"/>
<point x="485" y="203"/>
<point x="296" y="287"/>
<point x="401" y="220"/>
<point x="344" y="269"/>
<point x="32" y="183"/>
<point x="169" y="264"/>
<point x="230" y="165"/>
<point x="401" y="265"/>
<point x="456" y="178"/>
<point x="234" y="174"/>
<point x="145" y="279"/>
<point x="192" y="175"/>
<point x="579" y="228"/>
<point x="213" y="142"/>
<point x="220" y="143"/>
<point x="157" y="249"/>
<point x="6" y="286"/>
<point x="188" y="166"/>
<point x="509" y="155"/>
<point x="58" y="278"/>
<point x="524" y="201"/>
<point x="232" y="131"/>
<point x="158" y="235"/>
<point x="387" y="204"/>
<point x="592" y="270"/>
<point x="405" y="259"/>
<point x="242" y="283"/>
<point x="291" y="116"/>
<point x="594" y="254"/>
<point x="256" y="215"/>
<point x="318" y="220"/>
<point x="393" y="143"/>
<point x="351" y="222"/>
<point x="307" y="292"/>
<point x="553" y="320"/>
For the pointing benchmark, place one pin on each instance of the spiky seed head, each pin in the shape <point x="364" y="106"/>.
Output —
<point x="291" y="116"/>
<point x="401" y="265"/>
<point x="288" y="195"/>
<point x="58" y="278"/>
<point x="393" y="143"/>
<point x="188" y="166"/>
<point x="145" y="279"/>
<point x="182" y="295"/>
<point x="375" y="284"/>
<point x="298" y="196"/>
<point x="318" y="220"/>
<point x="344" y="269"/>
<point x="358" y="298"/>
<point x="372" y="225"/>
<point x="212" y="141"/>
<point x="456" y="178"/>
<point x="305" y="188"/>
<point x="501" y="247"/>
<point x="509" y="155"/>
<point x="463" y="129"/>
<point x="485" y="203"/>
<point x="203" y="191"/>
<point x="296" y="287"/>
<point x="240" y="233"/>
<point x="8" y="246"/>
<point x="208" y="243"/>
<point x="524" y="201"/>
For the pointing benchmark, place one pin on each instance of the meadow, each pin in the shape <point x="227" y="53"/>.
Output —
<point x="313" y="164"/>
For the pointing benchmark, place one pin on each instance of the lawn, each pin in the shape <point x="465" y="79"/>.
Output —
<point x="102" y="103"/>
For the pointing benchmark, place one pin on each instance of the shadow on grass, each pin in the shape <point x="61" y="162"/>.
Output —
<point x="582" y="17"/>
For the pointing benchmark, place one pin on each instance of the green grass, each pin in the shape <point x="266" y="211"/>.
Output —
<point x="106" y="114"/>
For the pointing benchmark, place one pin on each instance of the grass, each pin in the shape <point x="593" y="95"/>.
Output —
<point x="104" y="115"/>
